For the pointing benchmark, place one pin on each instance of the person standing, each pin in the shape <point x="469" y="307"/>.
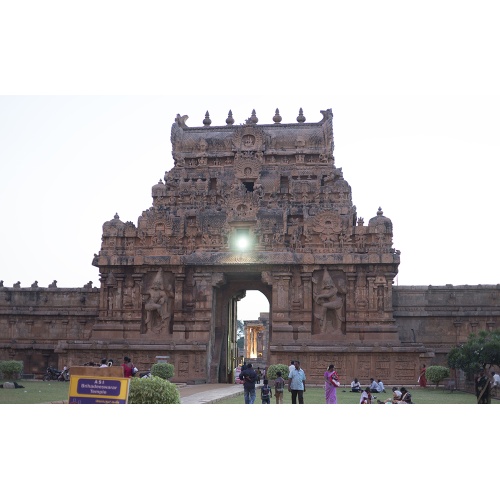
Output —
<point x="266" y="393"/>
<point x="331" y="384"/>
<point x="249" y="378"/>
<point x="128" y="367"/>
<point x="259" y="375"/>
<point x="422" y="379"/>
<point x="296" y="383"/>
<point x="290" y="368"/>
<point x="483" y="388"/>
<point x="279" y="386"/>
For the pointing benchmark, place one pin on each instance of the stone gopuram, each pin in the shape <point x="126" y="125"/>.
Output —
<point x="247" y="207"/>
<point x="260" y="207"/>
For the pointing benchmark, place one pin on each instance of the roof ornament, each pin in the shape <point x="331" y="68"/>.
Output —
<point x="277" y="117"/>
<point x="230" y="119"/>
<point x="301" y="118"/>
<point x="207" y="121"/>
<point x="181" y="120"/>
<point x="253" y="119"/>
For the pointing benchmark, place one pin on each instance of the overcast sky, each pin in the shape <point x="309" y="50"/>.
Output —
<point x="85" y="122"/>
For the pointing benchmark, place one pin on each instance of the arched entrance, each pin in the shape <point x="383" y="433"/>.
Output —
<point x="223" y="348"/>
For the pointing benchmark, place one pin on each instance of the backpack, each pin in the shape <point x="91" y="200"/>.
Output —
<point x="265" y="391"/>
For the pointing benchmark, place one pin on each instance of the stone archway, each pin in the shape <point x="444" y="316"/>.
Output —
<point x="223" y="349"/>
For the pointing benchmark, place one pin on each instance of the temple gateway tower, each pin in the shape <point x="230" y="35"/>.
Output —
<point x="253" y="207"/>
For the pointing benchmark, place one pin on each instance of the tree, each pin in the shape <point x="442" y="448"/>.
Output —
<point x="481" y="351"/>
<point x="437" y="373"/>
<point x="240" y="334"/>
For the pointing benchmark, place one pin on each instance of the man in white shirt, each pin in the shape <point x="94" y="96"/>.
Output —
<point x="381" y="387"/>
<point x="496" y="381"/>
<point x="355" y="386"/>
<point x="291" y="368"/>
<point x="373" y="386"/>
<point x="297" y="383"/>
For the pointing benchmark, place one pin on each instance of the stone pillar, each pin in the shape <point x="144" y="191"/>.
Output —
<point x="119" y="295"/>
<point x="178" y="325"/>
<point x="307" y="289"/>
<point x="137" y="292"/>
<point x="372" y="296"/>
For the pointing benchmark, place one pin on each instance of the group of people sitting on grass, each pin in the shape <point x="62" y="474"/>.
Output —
<point x="375" y="386"/>
<point x="399" y="396"/>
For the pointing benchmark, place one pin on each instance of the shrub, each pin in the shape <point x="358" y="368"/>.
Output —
<point x="273" y="369"/>
<point x="11" y="369"/>
<point x="162" y="370"/>
<point x="436" y="373"/>
<point x="153" y="391"/>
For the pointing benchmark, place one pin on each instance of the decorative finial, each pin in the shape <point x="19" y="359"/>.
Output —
<point x="230" y="119"/>
<point x="301" y="118"/>
<point x="116" y="216"/>
<point x="254" y="118"/>
<point x="277" y="117"/>
<point x="379" y="211"/>
<point x="207" y="121"/>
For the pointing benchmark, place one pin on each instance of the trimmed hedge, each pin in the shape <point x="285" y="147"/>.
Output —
<point x="273" y="369"/>
<point x="11" y="369"/>
<point x="162" y="370"/>
<point x="436" y="374"/>
<point x="153" y="391"/>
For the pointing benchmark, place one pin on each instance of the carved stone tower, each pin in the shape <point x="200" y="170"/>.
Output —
<point x="259" y="207"/>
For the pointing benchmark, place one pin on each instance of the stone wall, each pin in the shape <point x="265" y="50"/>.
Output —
<point x="54" y="326"/>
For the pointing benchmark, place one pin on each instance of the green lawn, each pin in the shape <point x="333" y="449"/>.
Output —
<point x="316" y="395"/>
<point x="45" y="392"/>
<point x="35" y="391"/>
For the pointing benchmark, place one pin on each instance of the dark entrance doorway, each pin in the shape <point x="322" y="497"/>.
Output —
<point x="224" y="349"/>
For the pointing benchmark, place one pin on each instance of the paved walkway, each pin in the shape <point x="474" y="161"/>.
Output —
<point x="208" y="393"/>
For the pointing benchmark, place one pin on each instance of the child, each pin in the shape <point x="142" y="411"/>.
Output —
<point x="266" y="393"/>
<point x="279" y="386"/>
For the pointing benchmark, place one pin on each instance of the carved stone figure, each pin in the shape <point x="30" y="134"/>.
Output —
<point x="330" y="304"/>
<point x="158" y="306"/>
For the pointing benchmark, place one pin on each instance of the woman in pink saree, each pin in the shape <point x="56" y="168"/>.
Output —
<point x="331" y="384"/>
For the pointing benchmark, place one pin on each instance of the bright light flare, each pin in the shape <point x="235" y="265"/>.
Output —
<point x="242" y="243"/>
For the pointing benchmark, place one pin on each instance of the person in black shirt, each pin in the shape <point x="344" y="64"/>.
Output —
<point x="249" y="377"/>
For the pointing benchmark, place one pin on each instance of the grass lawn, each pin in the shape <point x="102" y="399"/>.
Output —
<point x="316" y="395"/>
<point x="35" y="391"/>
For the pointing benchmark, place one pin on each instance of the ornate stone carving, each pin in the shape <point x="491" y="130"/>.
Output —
<point x="158" y="305"/>
<point x="329" y="297"/>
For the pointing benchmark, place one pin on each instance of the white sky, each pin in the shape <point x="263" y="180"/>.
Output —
<point x="87" y="108"/>
<point x="415" y="92"/>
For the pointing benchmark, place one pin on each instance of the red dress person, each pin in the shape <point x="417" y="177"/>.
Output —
<point x="422" y="380"/>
